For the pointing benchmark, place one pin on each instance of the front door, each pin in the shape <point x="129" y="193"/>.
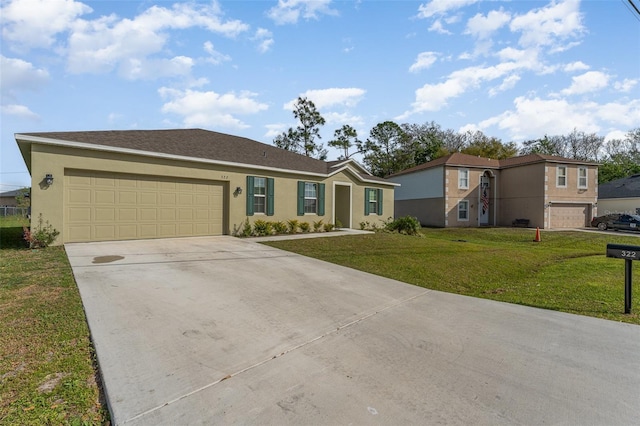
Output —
<point x="484" y="200"/>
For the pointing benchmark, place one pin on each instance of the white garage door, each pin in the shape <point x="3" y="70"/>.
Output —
<point x="108" y="206"/>
<point x="569" y="215"/>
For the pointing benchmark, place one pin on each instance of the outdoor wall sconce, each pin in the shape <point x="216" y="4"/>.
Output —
<point x="48" y="179"/>
<point x="238" y="191"/>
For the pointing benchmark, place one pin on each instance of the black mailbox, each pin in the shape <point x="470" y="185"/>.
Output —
<point x="628" y="253"/>
<point x="621" y="251"/>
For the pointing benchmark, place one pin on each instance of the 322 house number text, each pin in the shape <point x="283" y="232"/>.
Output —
<point x="630" y="254"/>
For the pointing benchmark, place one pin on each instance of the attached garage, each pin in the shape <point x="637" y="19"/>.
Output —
<point x="101" y="206"/>
<point x="570" y="215"/>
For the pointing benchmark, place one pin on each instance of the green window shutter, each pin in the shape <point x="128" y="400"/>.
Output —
<point x="270" y="197"/>
<point x="321" y="199"/>
<point x="380" y="202"/>
<point x="249" y="195"/>
<point x="366" y="202"/>
<point x="300" y="198"/>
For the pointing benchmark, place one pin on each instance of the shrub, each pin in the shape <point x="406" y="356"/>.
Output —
<point x="262" y="228"/>
<point x="305" y="227"/>
<point x="364" y="226"/>
<point x="407" y="225"/>
<point x="42" y="235"/>
<point x="338" y="224"/>
<point x="328" y="227"/>
<point x="246" y="229"/>
<point x="317" y="226"/>
<point x="280" y="227"/>
<point x="293" y="225"/>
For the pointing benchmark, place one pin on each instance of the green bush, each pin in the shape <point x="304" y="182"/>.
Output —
<point x="328" y="227"/>
<point x="246" y="229"/>
<point x="304" y="227"/>
<point x="42" y="235"/>
<point x="280" y="227"/>
<point x="293" y="225"/>
<point x="317" y="226"/>
<point x="407" y="225"/>
<point x="262" y="228"/>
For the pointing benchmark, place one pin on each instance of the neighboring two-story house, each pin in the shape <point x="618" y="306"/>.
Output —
<point x="462" y="190"/>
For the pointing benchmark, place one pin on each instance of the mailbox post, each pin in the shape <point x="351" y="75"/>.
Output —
<point x="628" y="253"/>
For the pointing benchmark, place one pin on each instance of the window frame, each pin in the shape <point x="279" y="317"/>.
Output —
<point x="307" y="198"/>
<point x="379" y="205"/>
<point x="257" y="196"/>
<point x="466" y="210"/>
<point x="585" y="177"/>
<point x="320" y="198"/>
<point x="558" y="176"/>
<point x="269" y="185"/>
<point x="463" y="175"/>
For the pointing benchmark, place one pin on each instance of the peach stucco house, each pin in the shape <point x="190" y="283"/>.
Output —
<point x="462" y="190"/>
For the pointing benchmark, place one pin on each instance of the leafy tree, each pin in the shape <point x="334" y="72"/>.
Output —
<point x="424" y="142"/>
<point x="346" y="138"/>
<point x="547" y="145"/>
<point x="23" y="199"/>
<point x="384" y="153"/>
<point x="489" y="147"/>
<point x="302" y="139"/>
<point x="576" y="145"/>
<point x="622" y="159"/>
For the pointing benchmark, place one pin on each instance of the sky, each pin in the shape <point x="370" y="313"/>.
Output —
<point x="515" y="70"/>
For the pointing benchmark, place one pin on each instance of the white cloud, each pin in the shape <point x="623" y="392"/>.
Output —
<point x="439" y="28"/>
<point x="323" y="98"/>
<point x="35" y="23"/>
<point x="210" y="109"/>
<point x="100" y="45"/>
<point x="215" y="57"/>
<point x="433" y="97"/>
<point x="588" y="82"/>
<point x="19" y="111"/>
<point x="441" y="7"/>
<point x="290" y="11"/>
<point x="338" y="119"/>
<point x="508" y="83"/>
<point x="264" y="38"/>
<point x="423" y="61"/>
<point x="535" y="117"/>
<point x="626" y="85"/>
<point x="274" y="130"/>
<point x="483" y="26"/>
<point x="576" y="66"/>
<point x="551" y="25"/>
<point x="18" y="75"/>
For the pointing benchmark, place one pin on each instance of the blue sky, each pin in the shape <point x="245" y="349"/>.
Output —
<point x="515" y="70"/>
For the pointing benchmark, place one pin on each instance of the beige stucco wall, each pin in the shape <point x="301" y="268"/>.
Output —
<point x="522" y="195"/>
<point x="453" y="195"/>
<point x="48" y="201"/>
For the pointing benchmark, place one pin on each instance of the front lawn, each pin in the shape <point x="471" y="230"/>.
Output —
<point x="47" y="369"/>
<point x="566" y="271"/>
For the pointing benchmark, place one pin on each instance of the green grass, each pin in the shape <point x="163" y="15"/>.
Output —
<point x="47" y="363"/>
<point x="566" y="271"/>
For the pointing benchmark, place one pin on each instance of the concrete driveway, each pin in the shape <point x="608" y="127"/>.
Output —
<point x="226" y="331"/>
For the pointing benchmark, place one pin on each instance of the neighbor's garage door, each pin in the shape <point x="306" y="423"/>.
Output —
<point x="108" y="206"/>
<point x="569" y="215"/>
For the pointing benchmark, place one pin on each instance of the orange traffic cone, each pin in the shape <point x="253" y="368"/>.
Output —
<point x="537" y="238"/>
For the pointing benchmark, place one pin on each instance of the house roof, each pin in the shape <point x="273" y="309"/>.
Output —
<point x="14" y="193"/>
<point x="628" y="187"/>
<point x="459" y="159"/>
<point x="195" y="145"/>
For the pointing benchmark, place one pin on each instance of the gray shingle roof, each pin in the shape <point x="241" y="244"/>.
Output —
<point x="628" y="187"/>
<point x="195" y="143"/>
